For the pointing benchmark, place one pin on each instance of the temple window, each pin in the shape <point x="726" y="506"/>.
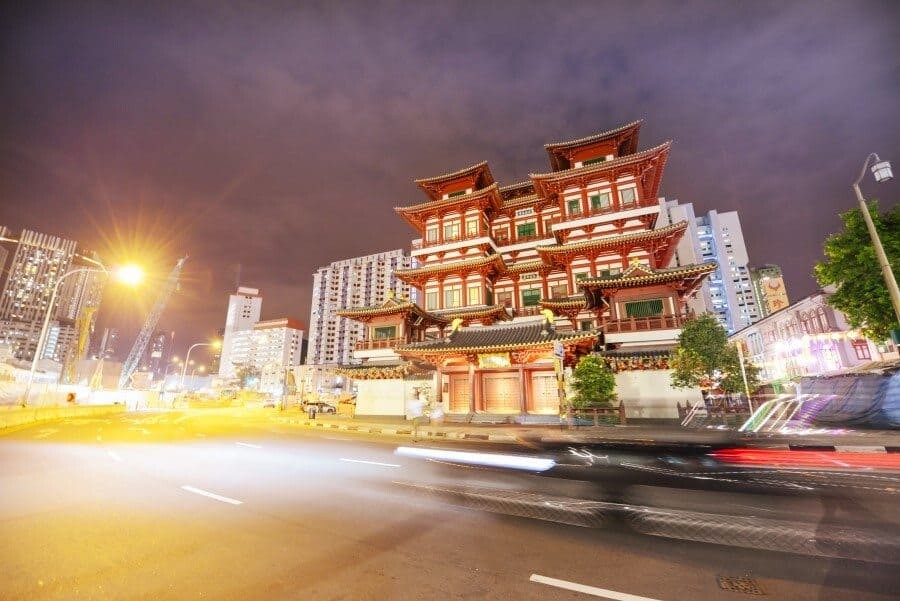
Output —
<point x="593" y="161"/>
<point x="431" y="234"/>
<point x="862" y="349"/>
<point x="384" y="332"/>
<point x="526" y="230"/>
<point x="599" y="201"/>
<point x="585" y="324"/>
<point x="574" y="206"/>
<point x="455" y="194"/>
<point x="452" y="297"/>
<point x="431" y="300"/>
<point x="531" y="297"/>
<point x="504" y="299"/>
<point x="451" y="230"/>
<point x="559" y="291"/>
<point x="645" y="308"/>
<point x="474" y="295"/>
<point x="471" y="227"/>
<point x="627" y="196"/>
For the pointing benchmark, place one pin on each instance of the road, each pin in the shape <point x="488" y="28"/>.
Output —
<point x="231" y="505"/>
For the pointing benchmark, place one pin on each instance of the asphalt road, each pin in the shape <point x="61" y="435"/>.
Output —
<point x="228" y="505"/>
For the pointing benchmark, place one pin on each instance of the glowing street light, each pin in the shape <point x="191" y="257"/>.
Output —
<point x="215" y="344"/>
<point x="881" y="170"/>
<point x="130" y="276"/>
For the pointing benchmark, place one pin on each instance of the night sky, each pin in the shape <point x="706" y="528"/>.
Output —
<point x="279" y="135"/>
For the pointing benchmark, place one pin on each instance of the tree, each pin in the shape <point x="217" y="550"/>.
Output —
<point x="704" y="358"/>
<point x="593" y="383"/>
<point x="851" y="265"/>
<point x="245" y="373"/>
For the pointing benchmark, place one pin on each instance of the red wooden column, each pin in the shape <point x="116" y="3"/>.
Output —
<point x="522" y="391"/>
<point x="472" y="388"/>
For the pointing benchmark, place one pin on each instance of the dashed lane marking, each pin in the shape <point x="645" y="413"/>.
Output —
<point x="247" y="444"/>
<point x="46" y="432"/>
<point x="141" y="430"/>
<point x="206" y="493"/>
<point x="370" y="462"/>
<point x="588" y="590"/>
<point x="114" y="456"/>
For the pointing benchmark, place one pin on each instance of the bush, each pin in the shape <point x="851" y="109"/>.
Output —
<point x="593" y="383"/>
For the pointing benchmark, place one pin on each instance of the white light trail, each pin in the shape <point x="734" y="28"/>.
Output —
<point x="516" y="462"/>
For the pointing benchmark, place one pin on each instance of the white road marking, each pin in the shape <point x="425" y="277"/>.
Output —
<point x="370" y="462"/>
<point x="247" y="444"/>
<point x="182" y="418"/>
<point x="342" y="439"/>
<point x="588" y="590"/>
<point x="114" y="455"/>
<point x="206" y="493"/>
<point x="201" y="435"/>
<point x="141" y="430"/>
<point x="46" y="432"/>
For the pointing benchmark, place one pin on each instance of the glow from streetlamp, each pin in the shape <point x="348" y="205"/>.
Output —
<point x="130" y="274"/>
<point x="216" y="344"/>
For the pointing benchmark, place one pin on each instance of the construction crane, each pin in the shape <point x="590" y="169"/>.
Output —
<point x="143" y="339"/>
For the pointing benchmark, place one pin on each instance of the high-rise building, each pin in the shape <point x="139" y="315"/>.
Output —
<point x="768" y="285"/>
<point x="357" y="282"/>
<point x="109" y="343"/>
<point x="714" y="236"/>
<point x="158" y="352"/>
<point x="275" y="346"/>
<point x="244" y="307"/>
<point x="33" y="263"/>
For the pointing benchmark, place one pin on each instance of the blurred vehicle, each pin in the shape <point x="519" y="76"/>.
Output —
<point x="318" y="407"/>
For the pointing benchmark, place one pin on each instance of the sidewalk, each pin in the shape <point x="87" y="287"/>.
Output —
<point x="875" y="440"/>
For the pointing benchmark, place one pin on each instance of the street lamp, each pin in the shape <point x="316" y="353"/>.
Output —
<point x="216" y="344"/>
<point x="128" y="274"/>
<point x="881" y="170"/>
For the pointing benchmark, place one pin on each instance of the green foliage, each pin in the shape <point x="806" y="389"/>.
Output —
<point x="593" y="383"/>
<point x="851" y="265"/>
<point x="704" y="358"/>
<point x="245" y="373"/>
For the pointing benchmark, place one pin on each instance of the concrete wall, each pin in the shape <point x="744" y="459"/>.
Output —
<point x="10" y="417"/>
<point x="649" y="394"/>
<point x="388" y="397"/>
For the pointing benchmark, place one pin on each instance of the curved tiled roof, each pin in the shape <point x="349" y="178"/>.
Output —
<point x="593" y="138"/>
<point x="569" y="302"/>
<point x="648" y="276"/>
<point x="471" y="312"/>
<point x="617" y="162"/>
<point x="496" y="339"/>
<point x="389" y="307"/>
<point x="457" y="173"/>
<point x="432" y="204"/>
<point x="528" y="266"/>
<point x="616" y="240"/>
<point x="447" y="267"/>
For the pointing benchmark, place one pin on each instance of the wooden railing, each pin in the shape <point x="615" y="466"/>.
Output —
<point x="366" y="345"/>
<point x="614" y="208"/>
<point x="643" y="324"/>
<point x="528" y="311"/>
<point x="423" y="243"/>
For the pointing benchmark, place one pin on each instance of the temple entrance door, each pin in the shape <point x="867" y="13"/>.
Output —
<point x="501" y="393"/>
<point x="544" y="394"/>
<point x="459" y="394"/>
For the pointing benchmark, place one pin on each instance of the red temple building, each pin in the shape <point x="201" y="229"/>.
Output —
<point x="569" y="261"/>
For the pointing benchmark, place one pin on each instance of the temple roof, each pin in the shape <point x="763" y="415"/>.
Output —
<point x="476" y="312"/>
<point x="479" y="173"/>
<point x="641" y="275"/>
<point x="496" y="259"/>
<point x="615" y="241"/>
<point x="489" y="194"/>
<point x="391" y="306"/>
<point x="497" y="338"/>
<point x="527" y="266"/>
<point x="542" y="179"/>
<point x="567" y="302"/>
<point x="628" y="132"/>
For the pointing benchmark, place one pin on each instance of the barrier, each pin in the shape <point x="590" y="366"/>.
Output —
<point x="12" y="417"/>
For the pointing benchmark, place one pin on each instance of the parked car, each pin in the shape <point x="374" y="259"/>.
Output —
<point x="319" y="407"/>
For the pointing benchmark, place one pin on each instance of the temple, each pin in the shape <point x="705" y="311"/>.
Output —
<point x="510" y="278"/>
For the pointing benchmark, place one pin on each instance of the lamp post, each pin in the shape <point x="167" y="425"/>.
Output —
<point x="129" y="274"/>
<point x="39" y="348"/>
<point x="214" y="344"/>
<point x="881" y="170"/>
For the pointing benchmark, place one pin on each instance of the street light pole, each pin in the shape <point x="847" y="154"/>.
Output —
<point x="39" y="350"/>
<point x="882" y="172"/>
<point x="187" y="358"/>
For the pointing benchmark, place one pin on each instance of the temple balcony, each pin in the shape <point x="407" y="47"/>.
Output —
<point x="647" y="206"/>
<point x="421" y="246"/>
<point x="658" y="328"/>
<point x="377" y="349"/>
